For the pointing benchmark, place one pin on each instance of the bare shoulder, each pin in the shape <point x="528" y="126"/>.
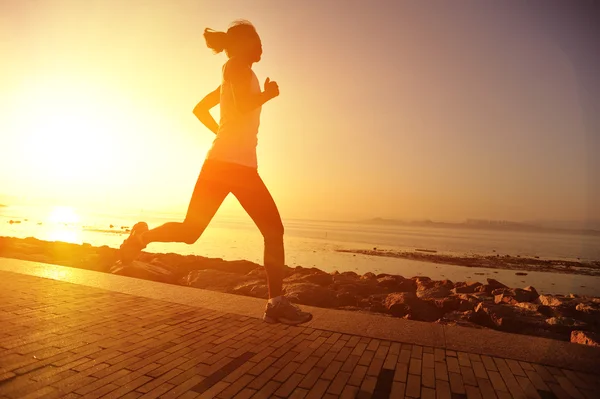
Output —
<point x="236" y="71"/>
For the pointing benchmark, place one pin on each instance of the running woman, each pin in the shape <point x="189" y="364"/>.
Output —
<point x="231" y="167"/>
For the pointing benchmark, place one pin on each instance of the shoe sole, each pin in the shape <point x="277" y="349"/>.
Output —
<point x="272" y="320"/>
<point x="126" y="254"/>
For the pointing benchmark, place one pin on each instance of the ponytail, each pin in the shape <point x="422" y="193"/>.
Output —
<point x="215" y="40"/>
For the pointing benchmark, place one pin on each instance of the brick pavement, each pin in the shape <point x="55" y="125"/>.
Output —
<point x="63" y="340"/>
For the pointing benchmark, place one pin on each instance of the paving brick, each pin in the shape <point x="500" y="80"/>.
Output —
<point x="441" y="371"/>
<point x="456" y="383"/>
<point x="401" y="373"/>
<point x="468" y="376"/>
<point x="413" y="386"/>
<point x="318" y="390"/>
<point x="93" y="343"/>
<point x="428" y="377"/>
<point x="486" y="388"/>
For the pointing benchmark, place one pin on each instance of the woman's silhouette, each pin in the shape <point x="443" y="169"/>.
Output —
<point x="231" y="167"/>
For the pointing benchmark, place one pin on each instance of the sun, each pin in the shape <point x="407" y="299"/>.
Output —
<point x="71" y="131"/>
<point x="63" y="215"/>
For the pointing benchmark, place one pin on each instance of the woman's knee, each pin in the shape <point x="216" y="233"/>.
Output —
<point x="192" y="232"/>
<point x="274" y="233"/>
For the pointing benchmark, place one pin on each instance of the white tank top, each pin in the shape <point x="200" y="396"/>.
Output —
<point x="237" y="136"/>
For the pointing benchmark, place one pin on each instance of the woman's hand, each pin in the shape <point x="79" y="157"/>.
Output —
<point x="271" y="88"/>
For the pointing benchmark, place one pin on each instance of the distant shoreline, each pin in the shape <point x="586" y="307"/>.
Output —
<point x="497" y="261"/>
<point x="483" y="225"/>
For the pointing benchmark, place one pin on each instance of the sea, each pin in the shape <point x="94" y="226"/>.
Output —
<point x="312" y="243"/>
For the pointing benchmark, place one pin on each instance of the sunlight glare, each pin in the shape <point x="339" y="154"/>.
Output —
<point x="63" y="215"/>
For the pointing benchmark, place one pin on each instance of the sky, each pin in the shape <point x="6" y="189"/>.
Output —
<point x="394" y="109"/>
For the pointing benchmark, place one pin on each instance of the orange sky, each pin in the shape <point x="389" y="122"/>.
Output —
<point x="386" y="108"/>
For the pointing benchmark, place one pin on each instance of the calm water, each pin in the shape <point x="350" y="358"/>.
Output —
<point x="314" y="243"/>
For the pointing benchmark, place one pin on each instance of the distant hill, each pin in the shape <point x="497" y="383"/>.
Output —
<point x="549" y="227"/>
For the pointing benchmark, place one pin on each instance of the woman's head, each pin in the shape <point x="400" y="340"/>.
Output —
<point x="240" y="40"/>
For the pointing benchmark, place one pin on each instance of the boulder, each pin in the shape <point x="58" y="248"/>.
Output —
<point x="258" y="272"/>
<point x="215" y="280"/>
<point x="535" y="307"/>
<point x="147" y="271"/>
<point x="368" y="276"/>
<point x="458" y="318"/>
<point x="387" y="282"/>
<point x="589" y="314"/>
<point x="513" y="295"/>
<point x="310" y="294"/>
<point x="532" y="290"/>
<point x="377" y="303"/>
<point x="467" y="288"/>
<point x="484" y="289"/>
<point x="322" y="279"/>
<point x="399" y="303"/>
<point x="508" y="318"/>
<point x="255" y="288"/>
<point x="495" y="284"/>
<point x="406" y="285"/>
<point x="552" y="300"/>
<point x="345" y="299"/>
<point x="448" y="304"/>
<point x="405" y="304"/>
<point x="585" y="338"/>
<point x="565" y="322"/>
<point x="433" y="293"/>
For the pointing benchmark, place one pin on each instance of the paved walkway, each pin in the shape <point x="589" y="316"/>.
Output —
<point x="64" y="340"/>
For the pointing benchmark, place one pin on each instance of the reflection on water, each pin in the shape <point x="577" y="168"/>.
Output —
<point x="63" y="233"/>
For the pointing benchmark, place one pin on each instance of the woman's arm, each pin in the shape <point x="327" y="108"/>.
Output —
<point x="240" y="77"/>
<point x="202" y="110"/>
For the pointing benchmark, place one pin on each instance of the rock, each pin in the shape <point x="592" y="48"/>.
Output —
<point x="377" y="303"/>
<point x="310" y="294"/>
<point x="349" y="274"/>
<point x="587" y="313"/>
<point x="534" y="307"/>
<point x="405" y="304"/>
<point x="216" y="280"/>
<point x="423" y="283"/>
<point x="322" y="279"/>
<point x="555" y="301"/>
<point x="258" y="272"/>
<point x="508" y="318"/>
<point x="585" y="338"/>
<point x="468" y="288"/>
<point x="387" y="282"/>
<point x="398" y="303"/>
<point x="532" y="290"/>
<point x="521" y="274"/>
<point x="564" y="322"/>
<point x="484" y="288"/>
<point x="255" y="288"/>
<point x="433" y="293"/>
<point x="444" y="283"/>
<point x="368" y="276"/>
<point x="345" y="299"/>
<point x="146" y="271"/>
<point x="513" y="295"/>
<point x="406" y="285"/>
<point x="448" y="304"/>
<point x="459" y="318"/>
<point x="495" y="284"/>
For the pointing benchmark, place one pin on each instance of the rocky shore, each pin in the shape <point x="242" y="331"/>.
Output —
<point x="493" y="261"/>
<point x="488" y="304"/>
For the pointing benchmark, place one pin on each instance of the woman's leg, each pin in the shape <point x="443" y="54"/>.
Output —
<point x="206" y="199"/>
<point x="258" y="202"/>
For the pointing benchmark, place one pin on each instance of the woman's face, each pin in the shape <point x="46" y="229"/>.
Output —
<point x="253" y="47"/>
